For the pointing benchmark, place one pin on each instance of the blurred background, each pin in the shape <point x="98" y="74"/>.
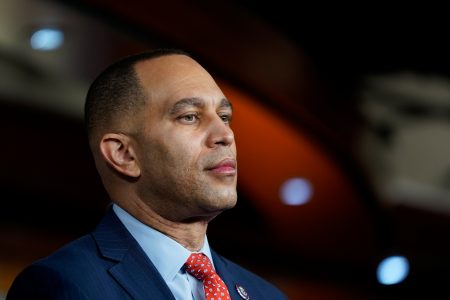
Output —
<point x="343" y="135"/>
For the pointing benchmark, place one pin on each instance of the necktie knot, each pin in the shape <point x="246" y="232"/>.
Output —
<point x="199" y="266"/>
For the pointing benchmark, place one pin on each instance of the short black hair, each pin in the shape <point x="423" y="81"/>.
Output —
<point x="117" y="91"/>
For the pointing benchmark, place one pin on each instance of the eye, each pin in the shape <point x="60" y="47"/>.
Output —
<point x="189" y="118"/>
<point x="226" y="118"/>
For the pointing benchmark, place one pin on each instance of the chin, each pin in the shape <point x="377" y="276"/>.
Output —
<point x="221" y="203"/>
<point x="227" y="203"/>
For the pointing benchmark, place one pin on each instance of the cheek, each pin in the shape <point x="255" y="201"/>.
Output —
<point x="155" y="156"/>
<point x="185" y="147"/>
<point x="172" y="151"/>
<point x="178" y="153"/>
<point x="233" y="148"/>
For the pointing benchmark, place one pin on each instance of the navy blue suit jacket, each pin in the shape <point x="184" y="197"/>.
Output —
<point x="110" y="264"/>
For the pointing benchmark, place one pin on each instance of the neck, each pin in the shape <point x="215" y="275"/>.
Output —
<point x="190" y="234"/>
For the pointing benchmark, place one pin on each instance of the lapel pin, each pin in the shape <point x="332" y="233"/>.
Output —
<point x="242" y="292"/>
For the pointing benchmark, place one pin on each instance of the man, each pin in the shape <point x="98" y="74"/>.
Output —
<point x="159" y="129"/>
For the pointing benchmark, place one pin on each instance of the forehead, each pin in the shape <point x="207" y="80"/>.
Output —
<point x="173" y="77"/>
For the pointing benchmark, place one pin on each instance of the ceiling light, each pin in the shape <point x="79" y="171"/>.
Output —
<point x="47" y="39"/>
<point x="296" y="191"/>
<point x="392" y="270"/>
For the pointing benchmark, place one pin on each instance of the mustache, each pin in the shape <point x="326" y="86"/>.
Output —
<point x="228" y="158"/>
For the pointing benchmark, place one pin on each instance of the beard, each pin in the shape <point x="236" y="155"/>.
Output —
<point x="184" y="193"/>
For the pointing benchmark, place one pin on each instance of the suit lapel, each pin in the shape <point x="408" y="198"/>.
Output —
<point x="134" y="271"/>
<point x="139" y="277"/>
<point x="221" y="268"/>
<point x="235" y="279"/>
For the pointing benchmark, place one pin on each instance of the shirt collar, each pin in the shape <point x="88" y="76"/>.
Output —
<point x="166" y="254"/>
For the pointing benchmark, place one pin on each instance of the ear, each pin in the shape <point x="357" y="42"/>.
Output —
<point x="117" y="150"/>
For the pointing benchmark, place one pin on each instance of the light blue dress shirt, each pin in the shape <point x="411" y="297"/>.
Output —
<point x="167" y="255"/>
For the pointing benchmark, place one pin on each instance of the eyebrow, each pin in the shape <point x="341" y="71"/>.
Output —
<point x="225" y="103"/>
<point x="195" y="102"/>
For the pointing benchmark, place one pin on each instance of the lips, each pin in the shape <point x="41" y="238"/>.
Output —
<point x="224" y="167"/>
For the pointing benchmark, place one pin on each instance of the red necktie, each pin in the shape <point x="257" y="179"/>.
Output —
<point x="199" y="266"/>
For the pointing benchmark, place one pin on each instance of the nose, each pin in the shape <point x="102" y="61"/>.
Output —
<point x="219" y="134"/>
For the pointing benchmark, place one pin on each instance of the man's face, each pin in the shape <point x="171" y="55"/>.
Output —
<point x="186" y="148"/>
